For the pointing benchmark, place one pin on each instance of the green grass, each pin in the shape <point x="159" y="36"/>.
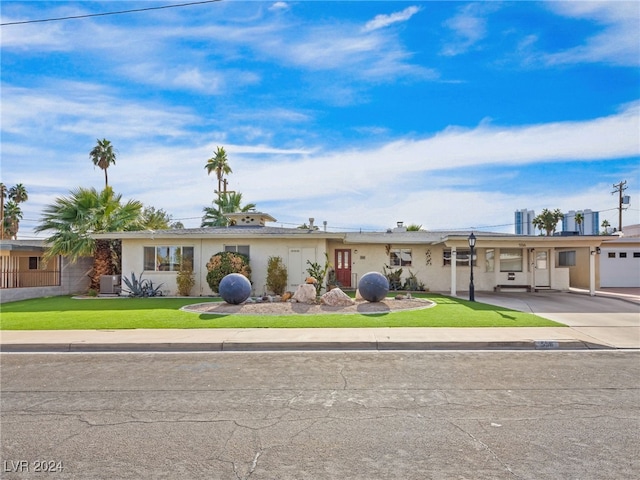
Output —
<point x="66" y="313"/>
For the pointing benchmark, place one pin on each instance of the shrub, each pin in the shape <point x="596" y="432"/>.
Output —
<point x="224" y="263"/>
<point x="276" y="275"/>
<point x="318" y="271"/>
<point x="185" y="278"/>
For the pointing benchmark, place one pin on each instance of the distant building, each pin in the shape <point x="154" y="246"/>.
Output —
<point x="590" y="222"/>
<point x="524" y="222"/>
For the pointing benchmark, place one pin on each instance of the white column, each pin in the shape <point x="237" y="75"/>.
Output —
<point x="454" y="264"/>
<point x="592" y="271"/>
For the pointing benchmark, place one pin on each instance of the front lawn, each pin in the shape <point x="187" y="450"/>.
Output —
<point x="66" y="313"/>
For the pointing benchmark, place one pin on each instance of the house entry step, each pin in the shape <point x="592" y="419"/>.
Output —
<point x="519" y="288"/>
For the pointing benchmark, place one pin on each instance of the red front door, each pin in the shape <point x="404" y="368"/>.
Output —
<point x="343" y="267"/>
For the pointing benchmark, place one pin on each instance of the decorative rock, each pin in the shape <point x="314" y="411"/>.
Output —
<point x="234" y="288"/>
<point x="311" y="281"/>
<point x="336" y="298"/>
<point x="286" y="296"/>
<point x="373" y="286"/>
<point x="305" y="293"/>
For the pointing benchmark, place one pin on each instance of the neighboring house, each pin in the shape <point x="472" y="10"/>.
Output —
<point x="439" y="260"/>
<point x="25" y="274"/>
<point x="620" y="259"/>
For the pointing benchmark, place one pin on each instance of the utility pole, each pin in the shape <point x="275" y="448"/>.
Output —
<point x="619" y="188"/>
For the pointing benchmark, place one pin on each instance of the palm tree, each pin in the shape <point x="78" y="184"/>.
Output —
<point x="12" y="217"/>
<point x="228" y="203"/>
<point x="219" y="164"/>
<point x="3" y="195"/>
<point x="605" y="225"/>
<point x="73" y="219"/>
<point x="548" y="220"/>
<point x="579" y="219"/>
<point x="18" y="193"/>
<point x="103" y="155"/>
<point x="10" y="213"/>
<point x="414" y="228"/>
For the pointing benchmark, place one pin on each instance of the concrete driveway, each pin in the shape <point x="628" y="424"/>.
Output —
<point x="612" y="316"/>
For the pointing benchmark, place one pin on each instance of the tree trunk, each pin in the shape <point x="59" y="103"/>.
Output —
<point x="102" y="264"/>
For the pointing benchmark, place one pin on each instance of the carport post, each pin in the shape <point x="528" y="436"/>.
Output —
<point x="454" y="263"/>
<point x="592" y="271"/>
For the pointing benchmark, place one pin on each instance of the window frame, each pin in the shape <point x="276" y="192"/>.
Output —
<point x="517" y="254"/>
<point x="173" y="252"/>
<point x="396" y="257"/>
<point x="567" y="258"/>
<point x="241" y="249"/>
<point x="462" y="257"/>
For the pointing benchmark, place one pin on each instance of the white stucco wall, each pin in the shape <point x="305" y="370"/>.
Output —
<point x="260" y="251"/>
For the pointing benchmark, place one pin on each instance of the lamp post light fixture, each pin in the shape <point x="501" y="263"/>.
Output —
<point x="472" y="244"/>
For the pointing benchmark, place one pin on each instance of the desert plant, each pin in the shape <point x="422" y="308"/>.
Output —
<point x="318" y="271"/>
<point x="223" y="263"/>
<point x="276" y="275"/>
<point x="412" y="283"/>
<point x="185" y="279"/>
<point x="395" y="282"/>
<point x="139" y="287"/>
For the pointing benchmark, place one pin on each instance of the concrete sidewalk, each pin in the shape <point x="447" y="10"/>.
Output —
<point x="603" y="322"/>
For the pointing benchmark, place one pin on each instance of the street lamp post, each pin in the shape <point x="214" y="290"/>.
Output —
<point x="472" y="244"/>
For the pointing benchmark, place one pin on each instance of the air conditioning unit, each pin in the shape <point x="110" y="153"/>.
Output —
<point x="110" y="284"/>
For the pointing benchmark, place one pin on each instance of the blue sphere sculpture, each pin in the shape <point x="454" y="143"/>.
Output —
<point x="373" y="286"/>
<point x="234" y="288"/>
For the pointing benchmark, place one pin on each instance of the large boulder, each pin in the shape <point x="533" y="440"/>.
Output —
<point x="234" y="288"/>
<point x="305" y="293"/>
<point x="336" y="298"/>
<point x="373" y="286"/>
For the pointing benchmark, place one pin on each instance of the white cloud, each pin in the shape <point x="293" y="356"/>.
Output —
<point x="469" y="26"/>
<point x="618" y="42"/>
<point x="369" y="171"/>
<point x="383" y="21"/>
<point x="279" y="6"/>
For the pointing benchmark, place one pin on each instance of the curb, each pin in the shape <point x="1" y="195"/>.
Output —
<point x="551" y="345"/>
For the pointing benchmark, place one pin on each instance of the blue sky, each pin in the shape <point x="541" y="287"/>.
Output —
<point x="449" y="115"/>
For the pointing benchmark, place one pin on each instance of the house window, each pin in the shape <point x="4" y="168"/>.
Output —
<point x="400" y="257"/>
<point x="34" y="263"/>
<point x="490" y="259"/>
<point x="567" y="259"/>
<point x="511" y="260"/>
<point x="623" y="254"/>
<point x="462" y="257"/>
<point x="166" y="259"/>
<point x="636" y="254"/>
<point x="243" y="249"/>
<point x="611" y="255"/>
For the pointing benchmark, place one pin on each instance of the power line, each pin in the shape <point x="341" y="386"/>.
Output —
<point x="104" y="14"/>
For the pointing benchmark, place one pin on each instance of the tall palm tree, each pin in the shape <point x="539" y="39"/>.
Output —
<point x="605" y="225"/>
<point x="85" y="211"/>
<point x="579" y="219"/>
<point x="103" y="155"/>
<point x="3" y="195"/>
<point x="229" y="203"/>
<point x="11" y="220"/>
<point x="10" y="213"/>
<point x="220" y="165"/>
<point x="18" y="193"/>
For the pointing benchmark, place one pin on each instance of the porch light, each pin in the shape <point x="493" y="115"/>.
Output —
<point x="472" y="244"/>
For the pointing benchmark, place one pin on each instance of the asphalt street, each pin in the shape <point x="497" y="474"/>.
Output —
<point x="322" y="415"/>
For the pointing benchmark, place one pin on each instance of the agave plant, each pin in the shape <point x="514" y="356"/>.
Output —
<point x="139" y="287"/>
